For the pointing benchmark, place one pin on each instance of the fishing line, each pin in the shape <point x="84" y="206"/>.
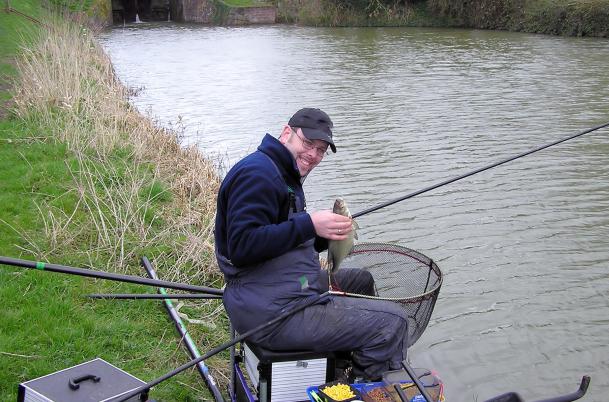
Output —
<point x="482" y="169"/>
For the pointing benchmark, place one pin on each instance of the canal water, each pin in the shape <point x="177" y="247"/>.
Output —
<point x="524" y="247"/>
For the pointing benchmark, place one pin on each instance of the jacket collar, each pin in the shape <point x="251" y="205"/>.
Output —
<point x="280" y="155"/>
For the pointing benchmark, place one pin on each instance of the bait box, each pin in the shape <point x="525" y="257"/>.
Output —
<point x="376" y="392"/>
<point x="92" y="381"/>
<point x="327" y="398"/>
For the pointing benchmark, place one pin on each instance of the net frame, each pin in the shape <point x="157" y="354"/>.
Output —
<point x="418" y="280"/>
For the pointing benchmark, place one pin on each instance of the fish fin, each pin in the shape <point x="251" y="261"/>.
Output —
<point x="355" y="225"/>
<point x="332" y="265"/>
<point x="355" y="235"/>
<point x="329" y="261"/>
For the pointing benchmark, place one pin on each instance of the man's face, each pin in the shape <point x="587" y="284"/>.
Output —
<point x="307" y="153"/>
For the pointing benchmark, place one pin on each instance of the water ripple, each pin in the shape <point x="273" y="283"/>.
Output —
<point x="414" y="107"/>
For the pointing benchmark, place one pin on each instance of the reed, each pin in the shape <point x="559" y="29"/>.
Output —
<point x="349" y="13"/>
<point x="560" y="17"/>
<point x="132" y="188"/>
<point x="136" y="187"/>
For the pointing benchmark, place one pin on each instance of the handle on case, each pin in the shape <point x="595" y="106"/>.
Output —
<point x="74" y="382"/>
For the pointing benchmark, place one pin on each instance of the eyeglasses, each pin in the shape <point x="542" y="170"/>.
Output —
<point x="309" y="145"/>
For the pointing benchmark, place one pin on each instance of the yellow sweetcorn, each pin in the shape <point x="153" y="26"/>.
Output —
<point x="339" y="392"/>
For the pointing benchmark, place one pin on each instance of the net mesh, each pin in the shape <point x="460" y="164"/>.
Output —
<point x="403" y="276"/>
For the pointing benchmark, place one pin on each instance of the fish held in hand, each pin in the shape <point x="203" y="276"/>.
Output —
<point x="338" y="249"/>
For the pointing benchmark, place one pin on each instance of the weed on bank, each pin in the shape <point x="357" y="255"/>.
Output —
<point x="87" y="181"/>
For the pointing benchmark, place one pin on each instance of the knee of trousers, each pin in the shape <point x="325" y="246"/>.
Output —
<point x="397" y="330"/>
<point x="392" y="330"/>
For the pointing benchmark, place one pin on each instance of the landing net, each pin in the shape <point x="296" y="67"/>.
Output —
<point x="403" y="276"/>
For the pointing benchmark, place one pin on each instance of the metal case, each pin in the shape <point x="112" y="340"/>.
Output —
<point x="92" y="381"/>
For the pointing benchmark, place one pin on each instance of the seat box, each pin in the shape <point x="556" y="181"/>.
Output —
<point x="92" y="381"/>
<point x="285" y="376"/>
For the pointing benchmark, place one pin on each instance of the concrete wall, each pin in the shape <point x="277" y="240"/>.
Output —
<point x="252" y="15"/>
<point x="202" y="11"/>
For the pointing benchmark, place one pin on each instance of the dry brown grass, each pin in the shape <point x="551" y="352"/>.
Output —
<point x="67" y="85"/>
<point x="135" y="190"/>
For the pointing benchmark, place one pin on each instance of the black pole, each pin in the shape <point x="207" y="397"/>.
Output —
<point x="416" y="381"/>
<point x="514" y="397"/>
<point x="144" y="296"/>
<point x="482" y="169"/>
<point x="220" y="348"/>
<point x="583" y="387"/>
<point x="106" y="275"/>
<point x="190" y="345"/>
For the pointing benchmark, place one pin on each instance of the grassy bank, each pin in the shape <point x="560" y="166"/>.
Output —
<point x="557" y="17"/>
<point x="356" y="13"/>
<point x="561" y="17"/>
<point x="87" y="181"/>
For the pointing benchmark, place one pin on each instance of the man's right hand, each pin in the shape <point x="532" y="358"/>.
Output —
<point x="330" y="225"/>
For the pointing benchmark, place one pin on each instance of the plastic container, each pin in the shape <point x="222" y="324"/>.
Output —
<point x="328" y="398"/>
<point x="376" y="392"/>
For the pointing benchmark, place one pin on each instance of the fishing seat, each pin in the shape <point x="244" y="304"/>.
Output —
<point x="282" y="376"/>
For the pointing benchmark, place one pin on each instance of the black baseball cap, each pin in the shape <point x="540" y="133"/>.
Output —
<point x="315" y="125"/>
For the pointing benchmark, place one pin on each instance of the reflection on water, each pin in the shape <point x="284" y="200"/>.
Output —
<point x="524" y="247"/>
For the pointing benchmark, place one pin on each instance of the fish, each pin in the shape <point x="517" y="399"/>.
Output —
<point x="339" y="249"/>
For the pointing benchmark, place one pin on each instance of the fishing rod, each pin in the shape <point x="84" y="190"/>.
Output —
<point x="185" y="336"/>
<point x="482" y="169"/>
<point x="416" y="381"/>
<point x="514" y="397"/>
<point x="220" y="348"/>
<point x="43" y="266"/>
<point x="146" y="296"/>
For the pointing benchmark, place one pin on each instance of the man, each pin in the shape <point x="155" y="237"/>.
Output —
<point x="267" y="246"/>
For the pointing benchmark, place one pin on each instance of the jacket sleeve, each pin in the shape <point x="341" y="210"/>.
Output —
<point x="254" y="201"/>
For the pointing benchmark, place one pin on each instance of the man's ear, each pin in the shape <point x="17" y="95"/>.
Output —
<point x="285" y="134"/>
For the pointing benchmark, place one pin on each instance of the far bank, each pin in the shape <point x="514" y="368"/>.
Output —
<point x="561" y="17"/>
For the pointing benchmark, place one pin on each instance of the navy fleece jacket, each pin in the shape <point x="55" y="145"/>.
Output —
<point x="252" y="209"/>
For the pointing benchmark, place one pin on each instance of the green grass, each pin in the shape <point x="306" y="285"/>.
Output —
<point x="46" y="323"/>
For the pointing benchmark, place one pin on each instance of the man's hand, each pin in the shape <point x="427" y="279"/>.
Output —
<point x="330" y="225"/>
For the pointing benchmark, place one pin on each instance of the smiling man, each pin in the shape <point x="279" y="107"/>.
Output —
<point x="267" y="246"/>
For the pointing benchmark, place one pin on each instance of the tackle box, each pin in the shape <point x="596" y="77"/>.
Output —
<point x="92" y="381"/>
<point x="262" y="375"/>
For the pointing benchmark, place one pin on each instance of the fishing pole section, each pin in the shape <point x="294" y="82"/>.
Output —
<point x="150" y="296"/>
<point x="185" y="336"/>
<point x="91" y="273"/>
<point x="482" y="169"/>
